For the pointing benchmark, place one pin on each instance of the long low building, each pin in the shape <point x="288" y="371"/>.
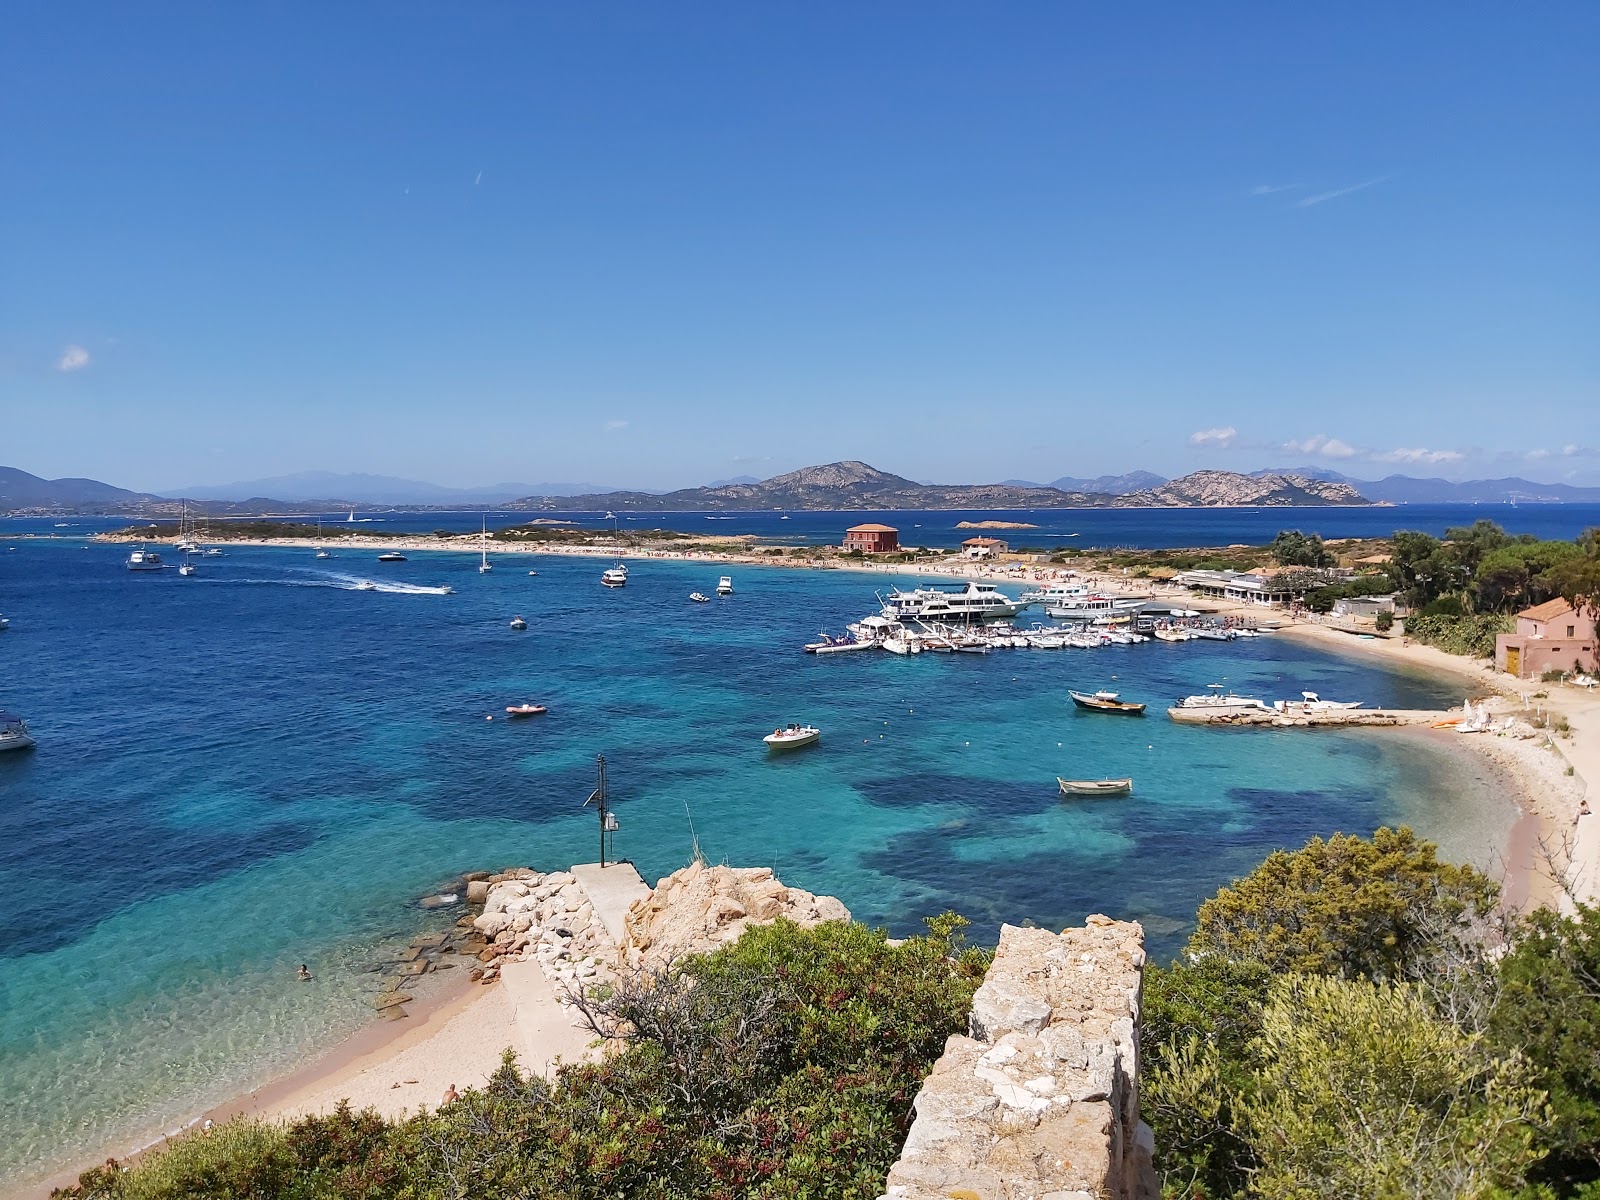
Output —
<point x="1265" y="587"/>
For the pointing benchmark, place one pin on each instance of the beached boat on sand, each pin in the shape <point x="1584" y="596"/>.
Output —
<point x="1095" y="787"/>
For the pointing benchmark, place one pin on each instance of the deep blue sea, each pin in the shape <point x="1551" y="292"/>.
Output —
<point x="1141" y="528"/>
<point x="263" y="765"/>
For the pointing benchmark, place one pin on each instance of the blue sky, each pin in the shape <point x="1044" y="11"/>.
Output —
<point x="660" y="244"/>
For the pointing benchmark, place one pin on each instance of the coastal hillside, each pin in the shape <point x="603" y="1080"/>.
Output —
<point x="20" y="491"/>
<point x="1216" y="489"/>
<point x="835" y="486"/>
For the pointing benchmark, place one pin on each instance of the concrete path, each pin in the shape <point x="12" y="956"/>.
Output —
<point x="611" y="889"/>
<point x="544" y="1027"/>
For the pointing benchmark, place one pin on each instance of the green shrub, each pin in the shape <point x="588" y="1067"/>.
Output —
<point x="1473" y="636"/>
<point x="1384" y="622"/>
<point x="783" y="1065"/>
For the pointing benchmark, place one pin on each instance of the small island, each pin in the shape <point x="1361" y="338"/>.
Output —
<point x="995" y="525"/>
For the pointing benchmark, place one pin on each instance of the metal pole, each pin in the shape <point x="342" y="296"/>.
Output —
<point x="600" y="791"/>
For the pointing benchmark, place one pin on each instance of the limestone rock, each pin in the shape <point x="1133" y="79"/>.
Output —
<point x="490" y="924"/>
<point x="701" y="908"/>
<point x="478" y="890"/>
<point x="1042" y="1100"/>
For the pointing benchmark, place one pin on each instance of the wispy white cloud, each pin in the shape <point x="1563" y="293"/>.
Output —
<point x="1323" y="197"/>
<point x="1221" y="438"/>
<point x="1418" y="455"/>
<point x="1272" y="189"/>
<point x="1573" y="450"/>
<point x="1535" y="455"/>
<point x="614" y="424"/>
<point x="1320" y="445"/>
<point x="73" y="358"/>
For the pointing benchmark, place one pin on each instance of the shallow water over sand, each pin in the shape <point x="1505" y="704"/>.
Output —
<point x="263" y="765"/>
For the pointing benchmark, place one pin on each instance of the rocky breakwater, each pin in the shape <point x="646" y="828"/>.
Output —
<point x="699" y="908"/>
<point x="545" y="917"/>
<point x="1042" y="1100"/>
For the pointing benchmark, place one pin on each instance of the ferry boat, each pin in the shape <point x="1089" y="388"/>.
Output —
<point x="974" y="602"/>
<point x="1096" y="605"/>
<point x="1220" y="703"/>
<point x="14" y="733"/>
<point x="1056" y="593"/>
<point x="616" y="576"/>
<point x="792" y="737"/>
<point x="145" y="560"/>
<point x="725" y="586"/>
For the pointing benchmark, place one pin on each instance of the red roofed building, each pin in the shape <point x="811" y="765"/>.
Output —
<point x="983" y="547"/>
<point x="1550" y="637"/>
<point x="872" y="539"/>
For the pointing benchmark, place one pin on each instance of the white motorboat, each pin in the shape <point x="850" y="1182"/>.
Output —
<point x="1221" y="702"/>
<point x="518" y="623"/>
<point x="392" y="556"/>
<point x="14" y="733"/>
<point x="725" y="586"/>
<point x="1310" y="702"/>
<point x="5" y="624"/>
<point x="792" y="737"/>
<point x="615" y="577"/>
<point x="974" y="602"/>
<point x="366" y="585"/>
<point x="699" y="598"/>
<point x="1171" y="634"/>
<point x="145" y="560"/>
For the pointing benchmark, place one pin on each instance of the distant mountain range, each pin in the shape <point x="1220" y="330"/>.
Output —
<point x="373" y="489"/>
<point x="855" y="485"/>
<point x="844" y="485"/>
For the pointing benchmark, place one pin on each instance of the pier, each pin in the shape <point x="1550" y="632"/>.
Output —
<point x="1344" y="718"/>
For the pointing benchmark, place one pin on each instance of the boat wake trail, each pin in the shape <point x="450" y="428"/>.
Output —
<point x="360" y="583"/>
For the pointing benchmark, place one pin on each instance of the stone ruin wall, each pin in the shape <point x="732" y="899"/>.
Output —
<point x="1041" y="1101"/>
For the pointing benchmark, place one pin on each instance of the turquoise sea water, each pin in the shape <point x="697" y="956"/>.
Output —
<point x="262" y="766"/>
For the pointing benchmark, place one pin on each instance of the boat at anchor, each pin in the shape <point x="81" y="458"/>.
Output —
<point x="1095" y="787"/>
<point x="792" y="737"/>
<point x="1105" y="702"/>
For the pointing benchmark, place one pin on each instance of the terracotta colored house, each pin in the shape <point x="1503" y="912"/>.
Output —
<point x="872" y="539"/>
<point x="1549" y="637"/>
<point x="983" y="547"/>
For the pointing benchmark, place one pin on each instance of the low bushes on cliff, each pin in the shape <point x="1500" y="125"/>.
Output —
<point x="1354" y="1019"/>
<point x="782" y="1065"/>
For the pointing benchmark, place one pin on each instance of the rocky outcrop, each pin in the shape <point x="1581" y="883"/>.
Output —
<point x="700" y="908"/>
<point x="1217" y="489"/>
<point x="1041" y="1101"/>
<point x="547" y="918"/>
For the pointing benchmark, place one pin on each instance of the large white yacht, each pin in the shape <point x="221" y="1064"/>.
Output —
<point x="1221" y="702"/>
<point x="1095" y="605"/>
<point x="1056" y="593"/>
<point x="974" y="602"/>
<point x="14" y="733"/>
<point x="145" y="560"/>
<point x="616" y="576"/>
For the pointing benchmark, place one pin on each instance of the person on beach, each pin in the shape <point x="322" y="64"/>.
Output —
<point x="450" y="1096"/>
<point x="1583" y="810"/>
<point x="304" y="973"/>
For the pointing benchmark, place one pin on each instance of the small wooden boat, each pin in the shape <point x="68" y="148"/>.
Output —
<point x="792" y="737"/>
<point x="525" y="710"/>
<point x="1095" y="787"/>
<point x="1105" y="702"/>
<point x="518" y="623"/>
